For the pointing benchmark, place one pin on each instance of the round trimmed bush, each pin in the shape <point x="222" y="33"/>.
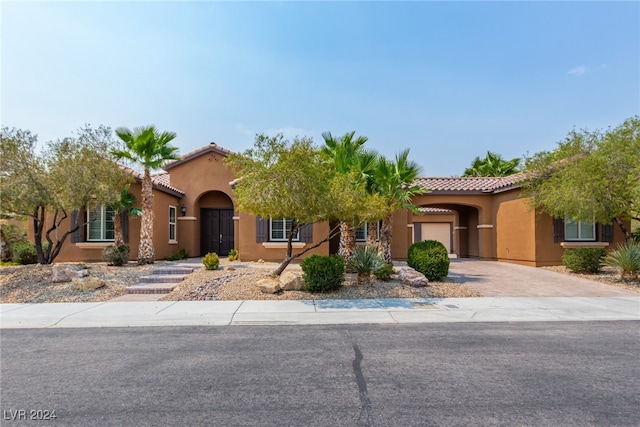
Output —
<point x="211" y="261"/>
<point x="24" y="253"/>
<point x="583" y="260"/>
<point x="430" y="258"/>
<point x="322" y="273"/>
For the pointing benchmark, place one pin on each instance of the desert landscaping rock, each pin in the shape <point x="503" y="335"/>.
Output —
<point x="290" y="281"/>
<point x="412" y="278"/>
<point x="87" y="283"/>
<point x="66" y="272"/>
<point x="269" y="286"/>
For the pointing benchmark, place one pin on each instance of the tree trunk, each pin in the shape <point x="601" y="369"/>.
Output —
<point x="287" y="260"/>
<point x="372" y="235"/>
<point x="5" y="247"/>
<point x="385" y="239"/>
<point x="347" y="241"/>
<point x="118" y="238"/>
<point x="145" y="250"/>
<point x="627" y="235"/>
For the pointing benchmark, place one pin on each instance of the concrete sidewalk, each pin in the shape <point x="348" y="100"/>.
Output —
<point x="308" y="312"/>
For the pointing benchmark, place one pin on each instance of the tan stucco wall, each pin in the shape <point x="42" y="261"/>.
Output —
<point x="250" y="250"/>
<point x="88" y="251"/>
<point x="515" y="230"/>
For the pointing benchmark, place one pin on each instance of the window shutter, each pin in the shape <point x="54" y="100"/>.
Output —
<point x="558" y="230"/>
<point x="261" y="230"/>
<point x="124" y="223"/>
<point x="76" y="236"/>
<point x="606" y="233"/>
<point x="417" y="231"/>
<point x="306" y="233"/>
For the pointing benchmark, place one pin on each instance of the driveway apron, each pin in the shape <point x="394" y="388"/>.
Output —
<point x="501" y="279"/>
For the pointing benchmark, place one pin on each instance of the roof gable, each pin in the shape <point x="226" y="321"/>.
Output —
<point x="211" y="148"/>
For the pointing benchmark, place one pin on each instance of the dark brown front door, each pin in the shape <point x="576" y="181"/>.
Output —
<point x="216" y="231"/>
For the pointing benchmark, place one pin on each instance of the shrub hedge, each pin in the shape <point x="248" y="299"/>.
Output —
<point x="583" y="260"/>
<point x="430" y="258"/>
<point x="322" y="273"/>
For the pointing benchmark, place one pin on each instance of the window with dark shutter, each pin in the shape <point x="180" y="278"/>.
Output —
<point x="76" y="236"/>
<point x="558" y="230"/>
<point x="606" y="233"/>
<point x="306" y="233"/>
<point x="262" y="231"/>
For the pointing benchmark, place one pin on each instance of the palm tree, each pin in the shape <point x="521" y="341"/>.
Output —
<point x="149" y="148"/>
<point x="492" y="165"/>
<point x="126" y="204"/>
<point x="345" y="153"/>
<point x="394" y="181"/>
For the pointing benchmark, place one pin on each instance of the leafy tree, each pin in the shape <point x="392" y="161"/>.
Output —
<point x="589" y="176"/>
<point x="282" y="179"/>
<point x="492" y="165"/>
<point x="149" y="148"/>
<point x="67" y="175"/>
<point x="348" y="156"/>
<point x="393" y="180"/>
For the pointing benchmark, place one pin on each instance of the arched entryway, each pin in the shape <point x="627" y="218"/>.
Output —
<point x="216" y="223"/>
<point x="465" y="235"/>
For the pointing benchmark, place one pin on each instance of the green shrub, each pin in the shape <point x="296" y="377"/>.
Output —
<point x="635" y="235"/>
<point x="24" y="253"/>
<point x="322" y="273"/>
<point x="626" y="258"/>
<point x="365" y="261"/>
<point x="211" y="261"/>
<point x="233" y="255"/>
<point x="116" y="255"/>
<point x="180" y="254"/>
<point x="583" y="260"/>
<point x="385" y="272"/>
<point x="14" y="233"/>
<point x="430" y="258"/>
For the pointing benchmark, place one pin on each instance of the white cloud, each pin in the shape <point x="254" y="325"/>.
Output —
<point x="289" y="132"/>
<point x="578" y="71"/>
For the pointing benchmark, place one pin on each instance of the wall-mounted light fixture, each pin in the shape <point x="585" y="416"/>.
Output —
<point x="183" y="209"/>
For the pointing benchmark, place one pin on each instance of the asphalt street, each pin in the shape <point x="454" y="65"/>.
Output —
<point x="444" y="374"/>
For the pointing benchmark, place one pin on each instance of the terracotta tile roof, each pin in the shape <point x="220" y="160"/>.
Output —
<point x="435" y="211"/>
<point x="470" y="184"/>
<point x="212" y="147"/>
<point x="160" y="181"/>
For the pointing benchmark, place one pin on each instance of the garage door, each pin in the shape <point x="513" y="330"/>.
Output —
<point x="440" y="231"/>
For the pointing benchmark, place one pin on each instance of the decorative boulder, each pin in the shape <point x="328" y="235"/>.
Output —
<point x="88" y="283"/>
<point x="412" y="278"/>
<point x="290" y="281"/>
<point x="269" y="286"/>
<point x="65" y="272"/>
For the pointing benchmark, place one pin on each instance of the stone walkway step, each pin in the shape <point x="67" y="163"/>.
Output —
<point x="161" y="281"/>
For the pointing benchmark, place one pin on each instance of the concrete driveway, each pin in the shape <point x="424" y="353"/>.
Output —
<point x="500" y="279"/>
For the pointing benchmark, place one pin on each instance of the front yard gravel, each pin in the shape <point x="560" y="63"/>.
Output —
<point x="31" y="284"/>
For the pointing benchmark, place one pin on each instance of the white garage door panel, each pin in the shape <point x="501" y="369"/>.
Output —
<point x="437" y="231"/>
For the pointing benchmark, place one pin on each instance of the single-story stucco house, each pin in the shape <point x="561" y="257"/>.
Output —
<point x="194" y="209"/>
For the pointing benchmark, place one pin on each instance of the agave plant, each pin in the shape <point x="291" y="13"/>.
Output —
<point x="365" y="262"/>
<point x="626" y="258"/>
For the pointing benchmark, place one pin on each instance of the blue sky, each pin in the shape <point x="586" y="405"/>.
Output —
<point x="450" y="80"/>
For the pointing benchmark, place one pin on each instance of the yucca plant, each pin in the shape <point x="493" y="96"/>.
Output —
<point x="626" y="258"/>
<point x="365" y="262"/>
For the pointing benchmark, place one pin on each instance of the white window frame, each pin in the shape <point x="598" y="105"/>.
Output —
<point x="365" y="227"/>
<point x="173" y="224"/>
<point x="579" y="225"/>
<point x="285" y="237"/>
<point x="103" y="224"/>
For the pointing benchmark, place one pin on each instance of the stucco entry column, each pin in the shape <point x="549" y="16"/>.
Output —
<point x="186" y="233"/>
<point x="486" y="241"/>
